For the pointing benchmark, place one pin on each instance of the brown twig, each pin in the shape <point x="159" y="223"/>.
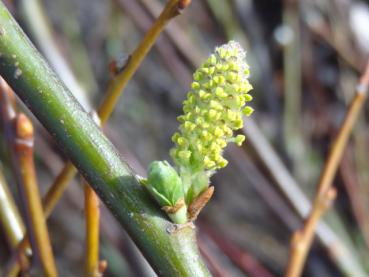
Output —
<point x="177" y="35"/>
<point x="8" y="114"/>
<point x="9" y="216"/>
<point x="163" y="45"/>
<point x="211" y="260"/>
<point x="19" y="134"/>
<point x="8" y="109"/>
<point x="243" y="260"/>
<point x="11" y="221"/>
<point x="345" y="258"/>
<point x="119" y="82"/>
<point x="35" y="219"/>
<point x="302" y="239"/>
<point x="92" y="216"/>
<point x="35" y="18"/>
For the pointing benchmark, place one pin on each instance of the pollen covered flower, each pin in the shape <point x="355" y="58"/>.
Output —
<point x="213" y="111"/>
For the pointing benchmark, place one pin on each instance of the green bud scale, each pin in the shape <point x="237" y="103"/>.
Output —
<point x="165" y="186"/>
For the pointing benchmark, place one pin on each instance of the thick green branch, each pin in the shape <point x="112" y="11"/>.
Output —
<point x="171" y="254"/>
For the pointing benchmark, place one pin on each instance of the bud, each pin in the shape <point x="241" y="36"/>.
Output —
<point x="166" y="188"/>
<point x="164" y="183"/>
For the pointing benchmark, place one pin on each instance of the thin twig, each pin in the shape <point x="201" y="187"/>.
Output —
<point x="212" y="261"/>
<point x="9" y="216"/>
<point x="243" y="260"/>
<point x="38" y="25"/>
<point x="35" y="219"/>
<point x="340" y="249"/>
<point x="115" y="88"/>
<point x="48" y="202"/>
<point x="7" y="105"/>
<point x="92" y="216"/>
<point x="57" y="189"/>
<point x="11" y="221"/>
<point x="355" y="195"/>
<point x="177" y="35"/>
<point x="119" y="82"/>
<point x="163" y="45"/>
<point x="302" y="239"/>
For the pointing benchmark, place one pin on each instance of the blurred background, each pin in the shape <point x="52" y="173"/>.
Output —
<point x="305" y="59"/>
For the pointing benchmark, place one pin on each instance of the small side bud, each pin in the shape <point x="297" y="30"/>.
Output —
<point x="165" y="186"/>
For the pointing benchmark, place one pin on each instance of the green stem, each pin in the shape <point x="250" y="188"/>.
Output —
<point x="180" y="216"/>
<point x="171" y="254"/>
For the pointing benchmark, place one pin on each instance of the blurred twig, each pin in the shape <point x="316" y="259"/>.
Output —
<point x="163" y="45"/>
<point x="264" y="187"/>
<point x="246" y="262"/>
<point x="292" y="132"/>
<point x="176" y="34"/>
<point x="213" y="263"/>
<point x="361" y="165"/>
<point x="119" y="82"/>
<point x="37" y="23"/>
<point x="11" y="221"/>
<point x="8" y="114"/>
<point x="223" y="12"/>
<point x="340" y="250"/>
<point x="9" y="216"/>
<point x="303" y="238"/>
<point x="250" y="20"/>
<point x="351" y="184"/>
